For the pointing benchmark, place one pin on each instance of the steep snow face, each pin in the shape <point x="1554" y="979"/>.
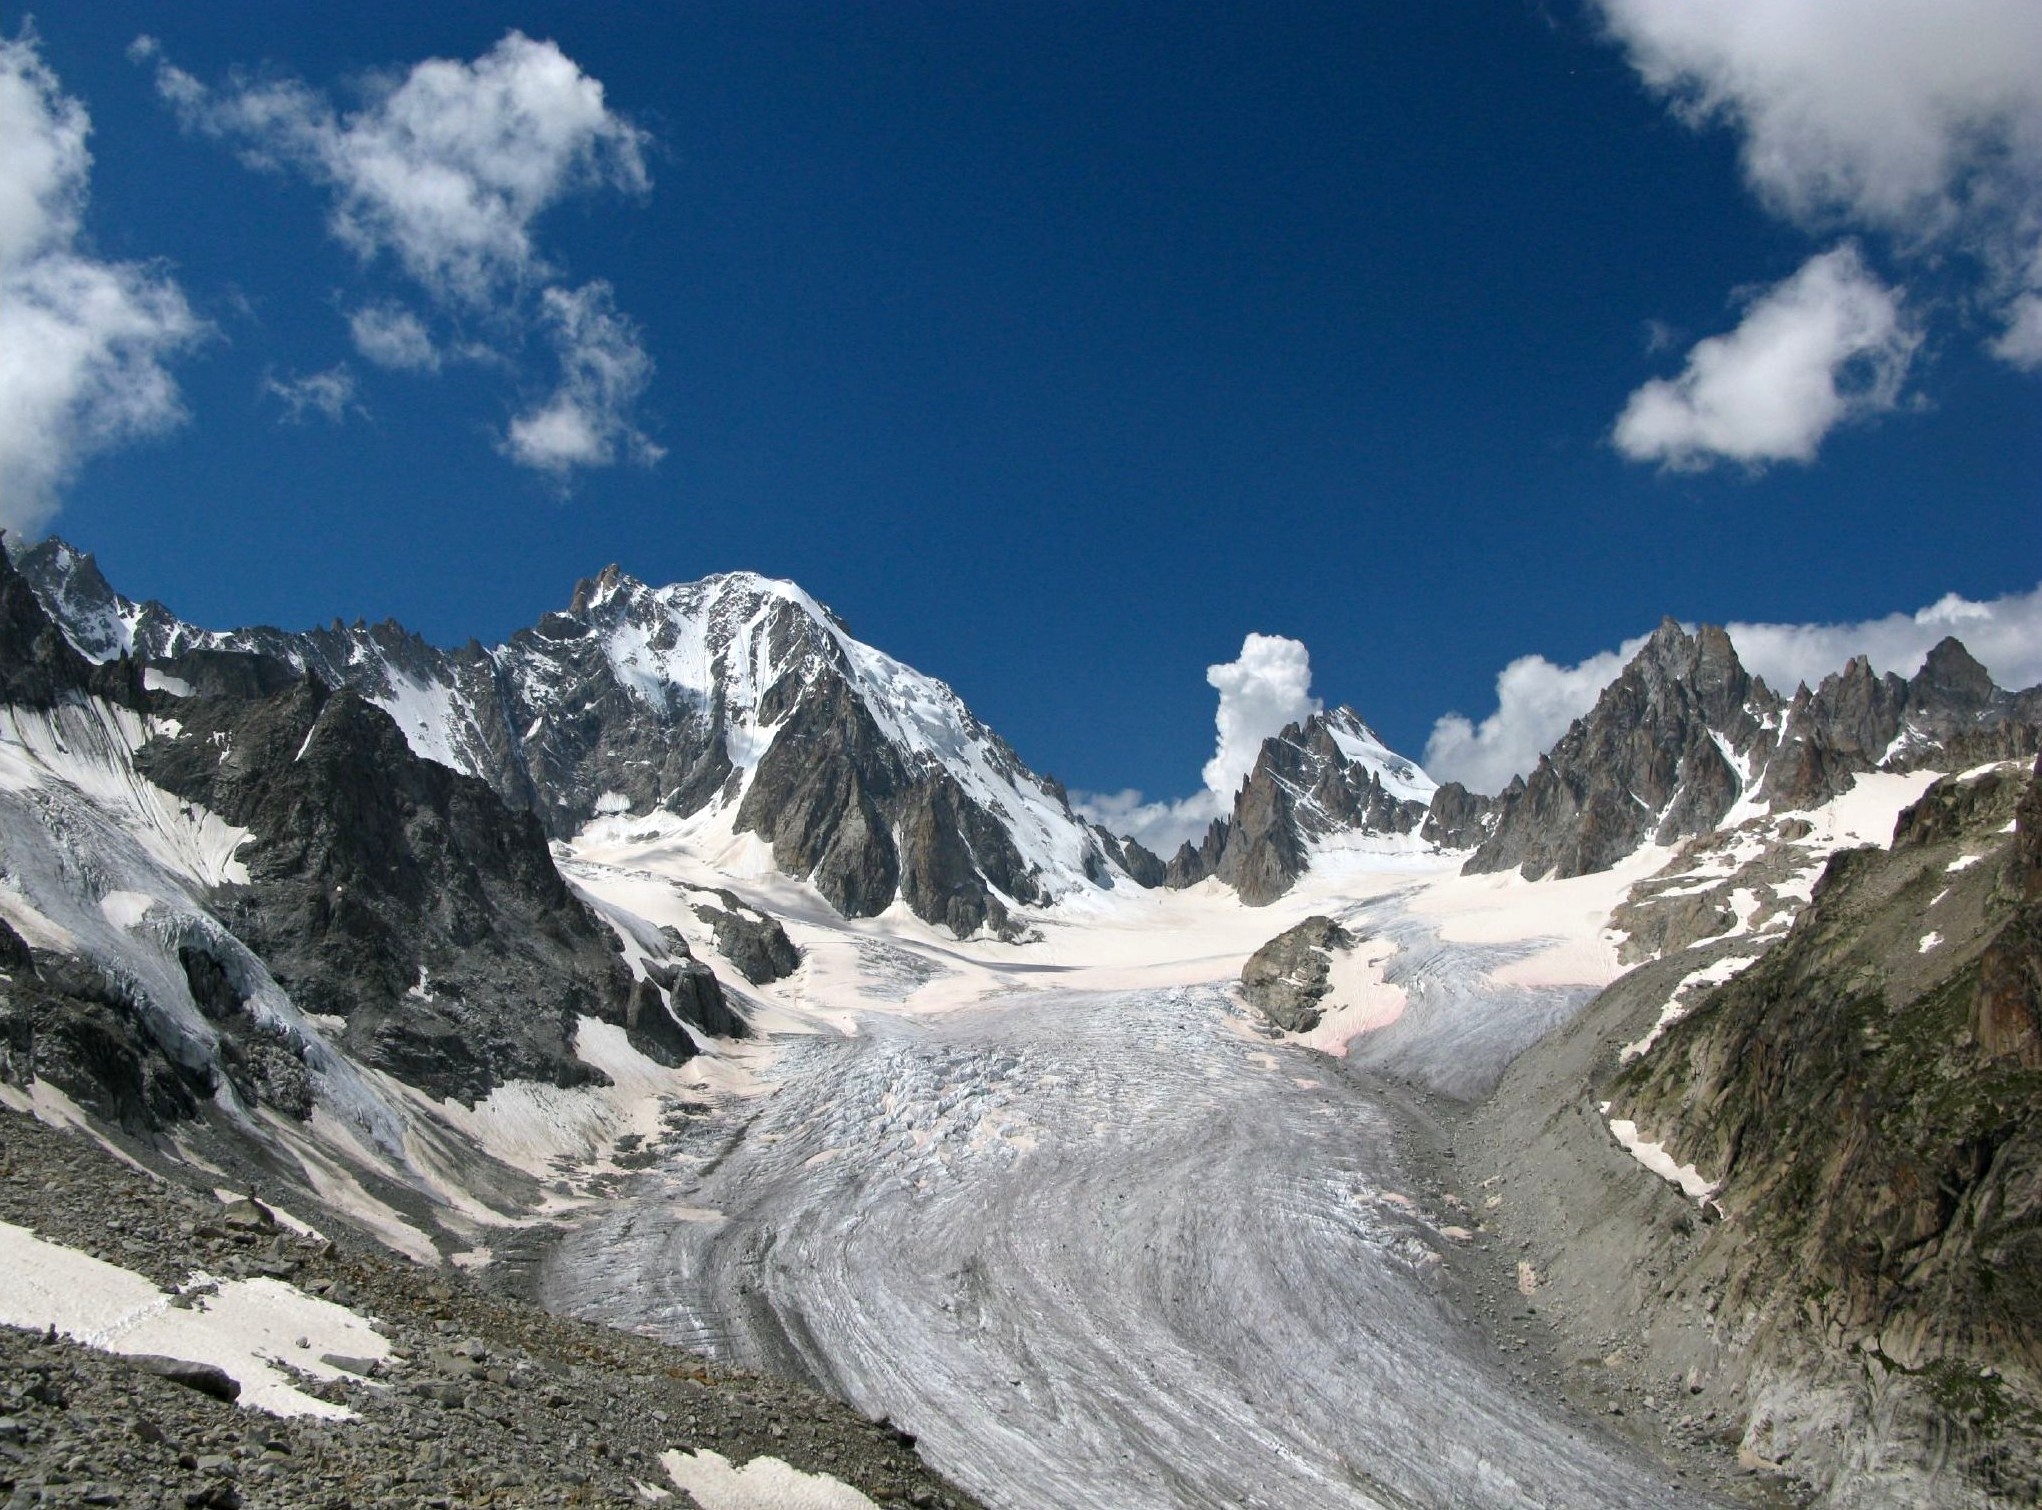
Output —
<point x="1362" y="746"/>
<point x="96" y="619"/>
<point x="89" y="747"/>
<point x="736" y="653"/>
<point x="96" y="861"/>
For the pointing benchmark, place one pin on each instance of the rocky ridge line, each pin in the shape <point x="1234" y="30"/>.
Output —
<point x="1685" y="734"/>
<point x="632" y="701"/>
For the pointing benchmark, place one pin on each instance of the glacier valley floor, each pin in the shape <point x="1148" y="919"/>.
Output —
<point x="1099" y="1249"/>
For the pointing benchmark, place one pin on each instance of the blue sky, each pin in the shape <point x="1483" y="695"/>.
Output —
<point x="1061" y="346"/>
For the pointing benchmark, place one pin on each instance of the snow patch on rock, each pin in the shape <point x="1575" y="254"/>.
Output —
<point x="250" y="1328"/>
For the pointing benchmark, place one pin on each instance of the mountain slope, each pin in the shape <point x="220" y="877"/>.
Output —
<point x="1868" y="1098"/>
<point x="261" y="930"/>
<point x="736" y="700"/>
<point x="1784" y="1192"/>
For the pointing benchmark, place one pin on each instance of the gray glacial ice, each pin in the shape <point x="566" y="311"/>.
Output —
<point x="1097" y="1251"/>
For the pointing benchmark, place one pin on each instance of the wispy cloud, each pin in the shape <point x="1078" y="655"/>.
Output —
<point x="390" y="335"/>
<point x="1920" y="125"/>
<point x="603" y="370"/>
<point x="444" y="173"/>
<point x="447" y="168"/>
<point x="84" y="342"/>
<point x="1536" y="699"/>
<point x="328" y="395"/>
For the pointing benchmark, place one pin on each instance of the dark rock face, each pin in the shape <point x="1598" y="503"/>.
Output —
<point x="655" y="1030"/>
<point x="696" y="995"/>
<point x="38" y="666"/>
<point x="1304" y="786"/>
<point x="2006" y="1009"/>
<point x="1950" y="714"/>
<point x="63" y="1021"/>
<point x="1459" y="818"/>
<point x="1191" y="865"/>
<point x="391" y="892"/>
<point x="1644" y="764"/>
<point x="753" y="942"/>
<point x="1143" y="868"/>
<point x="816" y="796"/>
<point x="1870" y="1096"/>
<point x="1286" y="979"/>
<point x="831" y="793"/>
<point x="953" y="856"/>
<point x="1685" y="732"/>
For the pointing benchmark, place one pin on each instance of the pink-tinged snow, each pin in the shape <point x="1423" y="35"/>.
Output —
<point x="533" y="1126"/>
<point x="51" y="1107"/>
<point x="1574" y="914"/>
<point x="762" y="1484"/>
<point x="323" y="1159"/>
<point x="1867" y="812"/>
<point x="1127" y="938"/>
<point x="260" y="1331"/>
<point x="1358" y="1000"/>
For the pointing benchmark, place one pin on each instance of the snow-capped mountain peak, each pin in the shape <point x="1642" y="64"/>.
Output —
<point x="1403" y="779"/>
<point x="738" y="697"/>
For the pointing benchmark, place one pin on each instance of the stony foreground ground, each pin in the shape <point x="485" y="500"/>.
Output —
<point x="485" y="1400"/>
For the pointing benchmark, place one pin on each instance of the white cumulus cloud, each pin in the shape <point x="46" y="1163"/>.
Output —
<point x="1537" y="699"/>
<point x="447" y="168"/>
<point x="1921" y="123"/>
<point x="83" y="341"/>
<point x="1159" y="827"/>
<point x="2004" y="633"/>
<point x="1266" y="687"/>
<point x="1828" y="344"/>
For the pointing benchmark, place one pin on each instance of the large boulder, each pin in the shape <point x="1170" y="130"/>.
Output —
<point x="1287" y="978"/>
